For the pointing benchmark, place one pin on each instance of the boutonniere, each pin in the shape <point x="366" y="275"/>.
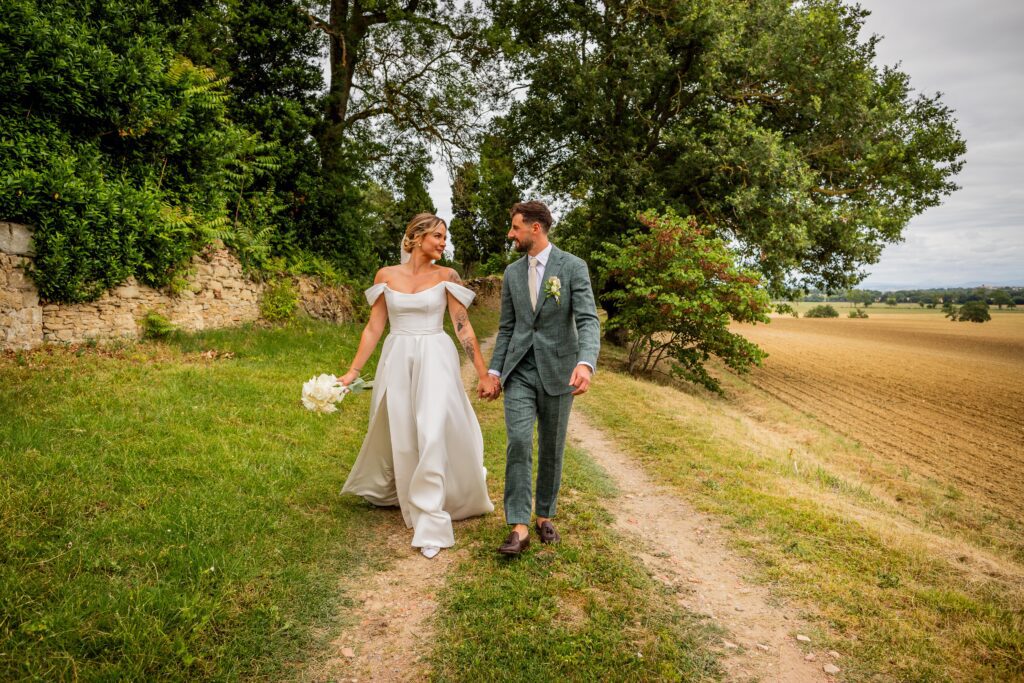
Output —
<point x="553" y="287"/>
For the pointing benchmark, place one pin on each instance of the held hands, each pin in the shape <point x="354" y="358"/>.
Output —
<point x="489" y="387"/>
<point x="580" y="379"/>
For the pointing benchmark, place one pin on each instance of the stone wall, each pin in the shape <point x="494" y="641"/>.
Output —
<point x="218" y="295"/>
<point x="21" y="318"/>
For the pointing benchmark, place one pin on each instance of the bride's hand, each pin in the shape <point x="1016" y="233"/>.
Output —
<point x="348" y="377"/>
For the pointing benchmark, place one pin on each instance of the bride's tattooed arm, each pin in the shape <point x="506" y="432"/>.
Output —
<point x="464" y="332"/>
<point x="467" y="337"/>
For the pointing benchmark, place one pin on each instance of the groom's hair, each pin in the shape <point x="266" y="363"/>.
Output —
<point x="532" y="212"/>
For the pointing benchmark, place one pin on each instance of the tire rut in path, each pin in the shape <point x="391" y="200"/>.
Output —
<point x="686" y="550"/>
<point x="392" y="633"/>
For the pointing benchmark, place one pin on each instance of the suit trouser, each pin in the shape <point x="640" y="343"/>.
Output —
<point x="526" y="404"/>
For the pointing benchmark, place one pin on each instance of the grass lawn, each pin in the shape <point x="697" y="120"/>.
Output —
<point x="166" y="516"/>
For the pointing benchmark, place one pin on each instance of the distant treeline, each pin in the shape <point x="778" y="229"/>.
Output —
<point x="994" y="296"/>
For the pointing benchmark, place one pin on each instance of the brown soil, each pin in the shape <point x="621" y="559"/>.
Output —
<point x="942" y="398"/>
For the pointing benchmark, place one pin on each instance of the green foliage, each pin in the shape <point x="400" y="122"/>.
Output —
<point x="279" y="301"/>
<point x="680" y="289"/>
<point x="156" y="326"/>
<point x="114" y="149"/>
<point x="482" y="193"/>
<point x="860" y="296"/>
<point x="404" y="76"/>
<point x="972" y="311"/>
<point x="857" y="313"/>
<point x="498" y="262"/>
<point x="1000" y="298"/>
<point x="822" y="311"/>
<point x="770" y="119"/>
<point x="787" y="309"/>
<point x="387" y="214"/>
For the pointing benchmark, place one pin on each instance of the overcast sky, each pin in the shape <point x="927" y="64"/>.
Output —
<point x="971" y="52"/>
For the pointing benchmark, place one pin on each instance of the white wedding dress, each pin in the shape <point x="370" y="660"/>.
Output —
<point x="423" y="449"/>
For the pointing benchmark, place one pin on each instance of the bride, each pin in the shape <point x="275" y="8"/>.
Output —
<point x="423" y="450"/>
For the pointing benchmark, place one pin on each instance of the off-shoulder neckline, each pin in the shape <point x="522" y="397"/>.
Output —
<point x="442" y="282"/>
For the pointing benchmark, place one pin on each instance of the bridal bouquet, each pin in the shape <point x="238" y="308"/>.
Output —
<point x="322" y="393"/>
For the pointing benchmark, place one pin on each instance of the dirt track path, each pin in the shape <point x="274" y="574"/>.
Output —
<point x="392" y="634"/>
<point x="687" y="551"/>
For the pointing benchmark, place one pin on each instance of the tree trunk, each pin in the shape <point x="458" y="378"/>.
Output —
<point x="345" y="37"/>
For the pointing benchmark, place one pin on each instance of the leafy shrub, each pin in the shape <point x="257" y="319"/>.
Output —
<point x="680" y="289"/>
<point x="972" y="311"/>
<point x="156" y="326"/>
<point x="497" y="263"/>
<point x="857" y="313"/>
<point x="822" y="311"/>
<point x="280" y="299"/>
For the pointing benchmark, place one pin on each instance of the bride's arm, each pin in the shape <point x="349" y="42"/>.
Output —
<point x="464" y="331"/>
<point x="371" y="335"/>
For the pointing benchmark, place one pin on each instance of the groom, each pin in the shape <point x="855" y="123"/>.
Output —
<point x="545" y="354"/>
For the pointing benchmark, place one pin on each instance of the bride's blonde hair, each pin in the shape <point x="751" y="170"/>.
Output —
<point x="420" y="225"/>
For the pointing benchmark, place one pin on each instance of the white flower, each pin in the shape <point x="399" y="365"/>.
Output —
<point x="553" y="287"/>
<point x="321" y="393"/>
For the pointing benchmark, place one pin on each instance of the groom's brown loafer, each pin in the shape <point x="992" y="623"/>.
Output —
<point x="514" y="545"/>
<point x="548" y="534"/>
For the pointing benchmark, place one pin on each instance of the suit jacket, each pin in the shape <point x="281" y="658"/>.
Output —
<point x="562" y="333"/>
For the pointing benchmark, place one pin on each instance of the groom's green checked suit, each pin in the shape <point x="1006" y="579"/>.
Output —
<point x="536" y="352"/>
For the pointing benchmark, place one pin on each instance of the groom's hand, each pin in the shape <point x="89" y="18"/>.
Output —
<point x="580" y="379"/>
<point x="489" y="387"/>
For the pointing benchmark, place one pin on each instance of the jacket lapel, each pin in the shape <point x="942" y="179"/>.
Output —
<point x="520" y="285"/>
<point x="552" y="269"/>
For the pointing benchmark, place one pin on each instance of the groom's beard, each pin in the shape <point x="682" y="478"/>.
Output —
<point x="522" y="247"/>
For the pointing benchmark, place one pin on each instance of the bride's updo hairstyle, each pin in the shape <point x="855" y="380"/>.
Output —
<point x="420" y="225"/>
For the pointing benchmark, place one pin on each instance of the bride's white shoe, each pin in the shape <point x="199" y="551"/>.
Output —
<point x="429" y="551"/>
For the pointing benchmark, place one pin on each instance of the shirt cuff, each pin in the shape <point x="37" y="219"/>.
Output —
<point x="494" y="373"/>
<point x="583" y="362"/>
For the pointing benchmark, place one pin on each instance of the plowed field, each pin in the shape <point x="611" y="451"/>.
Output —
<point x="945" y="399"/>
